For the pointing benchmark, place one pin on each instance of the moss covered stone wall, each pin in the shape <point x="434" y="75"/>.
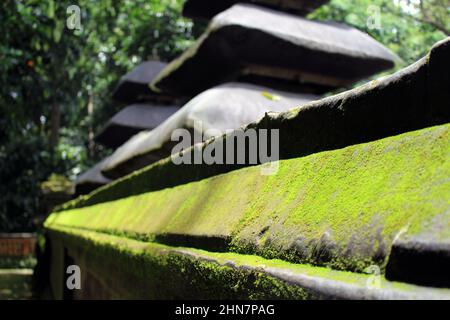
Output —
<point x="122" y="268"/>
<point x="357" y="190"/>
<point x="339" y="209"/>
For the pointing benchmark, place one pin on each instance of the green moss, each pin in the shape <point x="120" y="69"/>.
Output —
<point x="339" y="209"/>
<point x="136" y="269"/>
<point x="139" y="270"/>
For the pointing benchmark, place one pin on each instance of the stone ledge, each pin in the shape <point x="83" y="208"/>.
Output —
<point x="126" y="268"/>
<point x="342" y="209"/>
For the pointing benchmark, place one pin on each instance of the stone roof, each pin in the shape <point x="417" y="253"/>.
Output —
<point x="133" y="86"/>
<point x="131" y="120"/>
<point x="228" y="106"/>
<point x="91" y="179"/>
<point x="247" y="42"/>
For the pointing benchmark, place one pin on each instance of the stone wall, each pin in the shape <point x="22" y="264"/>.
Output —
<point x="359" y="209"/>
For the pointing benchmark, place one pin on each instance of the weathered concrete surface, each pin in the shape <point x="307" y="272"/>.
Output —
<point x="207" y="9"/>
<point x="341" y="209"/>
<point x="247" y="42"/>
<point x="120" y="268"/>
<point x="414" y="98"/>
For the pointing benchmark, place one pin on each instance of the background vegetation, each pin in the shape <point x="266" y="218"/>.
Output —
<point x="56" y="83"/>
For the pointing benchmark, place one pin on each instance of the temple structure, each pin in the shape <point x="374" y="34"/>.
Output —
<point x="268" y="47"/>
<point x="263" y="50"/>
<point x="360" y="188"/>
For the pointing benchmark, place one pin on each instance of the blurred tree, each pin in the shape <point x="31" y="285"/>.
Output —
<point x="48" y="74"/>
<point x="433" y="12"/>
<point x="407" y="27"/>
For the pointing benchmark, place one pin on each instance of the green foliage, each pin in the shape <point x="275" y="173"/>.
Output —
<point x="44" y="63"/>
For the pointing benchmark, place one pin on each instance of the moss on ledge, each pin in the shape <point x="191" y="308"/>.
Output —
<point x="340" y="209"/>
<point x="136" y="269"/>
